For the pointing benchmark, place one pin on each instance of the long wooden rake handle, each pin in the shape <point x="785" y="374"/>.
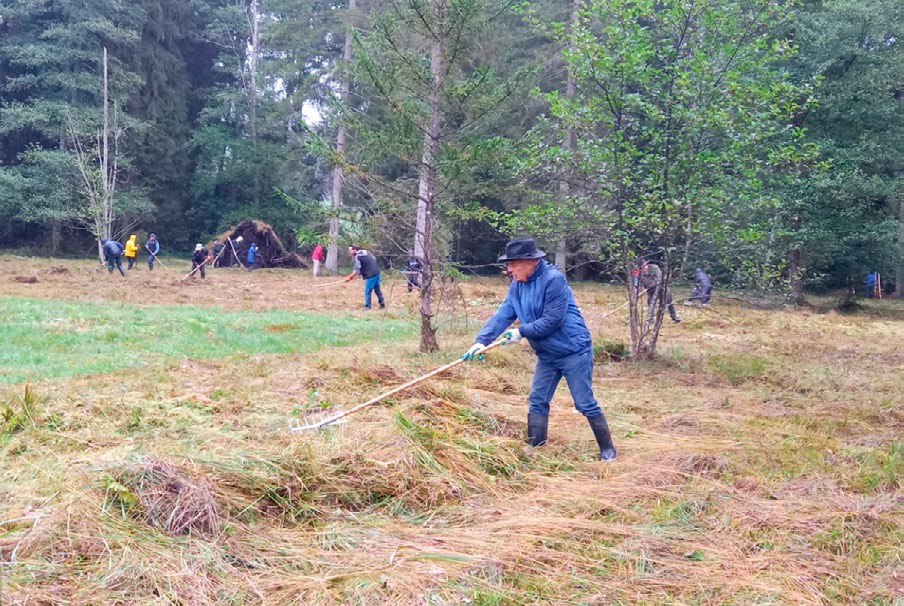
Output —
<point x="156" y="258"/>
<point x="189" y="274"/>
<point x="329" y="284"/>
<point x="395" y="390"/>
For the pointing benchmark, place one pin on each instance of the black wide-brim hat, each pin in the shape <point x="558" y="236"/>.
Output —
<point x="521" y="248"/>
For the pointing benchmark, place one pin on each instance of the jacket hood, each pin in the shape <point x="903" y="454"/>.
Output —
<point x="132" y="238"/>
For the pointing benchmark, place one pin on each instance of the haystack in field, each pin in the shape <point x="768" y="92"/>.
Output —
<point x="270" y="249"/>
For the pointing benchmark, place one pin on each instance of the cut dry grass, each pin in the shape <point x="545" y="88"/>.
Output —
<point x="759" y="462"/>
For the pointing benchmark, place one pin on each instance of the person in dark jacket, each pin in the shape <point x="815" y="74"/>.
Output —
<point x="650" y="277"/>
<point x="113" y="254"/>
<point x="366" y="267"/>
<point x="253" y="259"/>
<point x="153" y="248"/>
<point x="218" y="249"/>
<point x="702" y="289"/>
<point x="540" y="298"/>
<point x="199" y="259"/>
<point x="413" y="268"/>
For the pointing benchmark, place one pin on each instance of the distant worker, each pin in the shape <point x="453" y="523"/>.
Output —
<point x="366" y="267"/>
<point x="131" y="250"/>
<point x="650" y="277"/>
<point x="540" y="298"/>
<point x="153" y="248"/>
<point x="239" y="245"/>
<point x="253" y="259"/>
<point x="317" y="258"/>
<point x="218" y="249"/>
<point x="702" y="289"/>
<point x="413" y="268"/>
<point x="199" y="259"/>
<point x="113" y="255"/>
<point x="870" y="282"/>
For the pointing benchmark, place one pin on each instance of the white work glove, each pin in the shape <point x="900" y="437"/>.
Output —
<point x="512" y="335"/>
<point x="474" y="351"/>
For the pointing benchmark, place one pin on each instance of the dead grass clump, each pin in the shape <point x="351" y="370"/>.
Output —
<point x="487" y="379"/>
<point x="287" y="486"/>
<point x="58" y="270"/>
<point x="680" y="422"/>
<point x="704" y="464"/>
<point x="26" y="279"/>
<point x="166" y="496"/>
<point x="382" y="373"/>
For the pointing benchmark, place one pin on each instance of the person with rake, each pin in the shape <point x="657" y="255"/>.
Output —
<point x="540" y="298"/>
<point x="366" y="267"/>
<point x="153" y="248"/>
<point x="113" y="255"/>
<point x="199" y="259"/>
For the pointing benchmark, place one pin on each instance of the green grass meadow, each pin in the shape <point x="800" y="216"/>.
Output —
<point x="50" y="339"/>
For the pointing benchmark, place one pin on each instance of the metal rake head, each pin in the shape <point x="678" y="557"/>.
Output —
<point x="311" y="419"/>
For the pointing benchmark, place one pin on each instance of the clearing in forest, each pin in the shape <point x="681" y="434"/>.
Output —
<point x="145" y="456"/>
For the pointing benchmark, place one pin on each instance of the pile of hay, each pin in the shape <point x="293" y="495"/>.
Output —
<point x="271" y="251"/>
<point x="167" y="497"/>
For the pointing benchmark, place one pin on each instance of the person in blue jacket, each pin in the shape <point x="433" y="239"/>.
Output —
<point x="113" y="254"/>
<point x="870" y="282"/>
<point x="540" y="298"/>
<point x="153" y="248"/>
<point x="251" y="258"/>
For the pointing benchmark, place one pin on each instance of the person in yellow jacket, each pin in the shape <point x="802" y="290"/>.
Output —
<point x="131" y="250"/>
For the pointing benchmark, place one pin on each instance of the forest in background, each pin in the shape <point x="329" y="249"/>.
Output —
<point x="759" y="139"/>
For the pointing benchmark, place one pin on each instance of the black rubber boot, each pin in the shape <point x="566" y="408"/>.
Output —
<point x="536" y="429"/>
<point x="601" y="433"/>
<point x="673" y="314"/>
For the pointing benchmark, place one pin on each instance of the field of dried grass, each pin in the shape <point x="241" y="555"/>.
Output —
<point x="760" y="461"/>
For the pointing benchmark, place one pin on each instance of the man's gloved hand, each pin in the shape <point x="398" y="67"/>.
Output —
<point x="349" y="277"/>
<point x="512" y="335"/>
<point x="474" y="351"/>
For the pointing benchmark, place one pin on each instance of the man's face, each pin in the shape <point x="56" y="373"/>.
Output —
<point x="351" y="251"/>
<point x="521" y="269"/>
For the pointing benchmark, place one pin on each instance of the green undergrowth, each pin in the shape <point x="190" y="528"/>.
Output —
<point x="48" y="339"/>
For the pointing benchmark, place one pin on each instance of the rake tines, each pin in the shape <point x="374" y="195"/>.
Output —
<point x="308" y="419"/>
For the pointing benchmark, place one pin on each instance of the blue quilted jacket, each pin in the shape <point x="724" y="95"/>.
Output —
<point x="550" y="319"/>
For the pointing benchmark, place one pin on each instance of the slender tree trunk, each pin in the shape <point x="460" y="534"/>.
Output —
<point x="688" y="228"/>
<point x="253" y="57"/>
<point x="568" y="145"/>
<point x="103" y="216"/>
<point x="332" y="253"/>
<point x="56" y="237"/>
<point x="423" y="242"/>
<point x="632" y="304"/>
<point x="794" y="267"/>
<point x="899" y="269"/>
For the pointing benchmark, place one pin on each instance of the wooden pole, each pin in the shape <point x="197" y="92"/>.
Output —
<point x="396" y="390"/>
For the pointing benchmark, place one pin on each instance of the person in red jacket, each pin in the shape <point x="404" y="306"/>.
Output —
<point x="317" y="257"/>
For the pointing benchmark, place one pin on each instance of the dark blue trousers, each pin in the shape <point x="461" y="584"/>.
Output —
<point x="578" y="372"/>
